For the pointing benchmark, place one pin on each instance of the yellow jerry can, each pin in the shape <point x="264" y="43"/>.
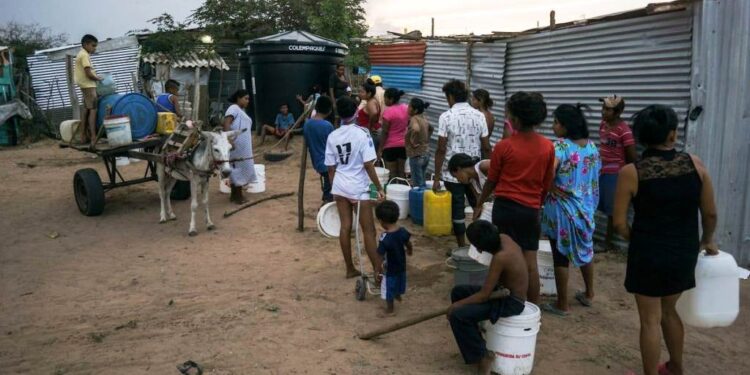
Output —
<point x="437" y="213"/>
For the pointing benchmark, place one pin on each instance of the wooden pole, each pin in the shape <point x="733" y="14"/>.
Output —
<point x="69" y="65"/>
<point x="253" y="203"/>
<point x="500" y="293"/>
<point x="301" y="189"/>
<point x="196" y="93"/>
<point x="432" y="34"/>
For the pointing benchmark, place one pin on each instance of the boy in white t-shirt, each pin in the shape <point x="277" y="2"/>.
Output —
<point x="350" y="157"/>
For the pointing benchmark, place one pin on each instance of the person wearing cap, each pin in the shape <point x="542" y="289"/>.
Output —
<point x="616" y="148"/>
<point x="377" y="81"/>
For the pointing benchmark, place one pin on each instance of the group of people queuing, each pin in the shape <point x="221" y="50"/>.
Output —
<point x="540" y="189"/>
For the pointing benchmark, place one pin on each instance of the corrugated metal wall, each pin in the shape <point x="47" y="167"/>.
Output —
<point x="48" y="76"/>
<point x="399" y="65"/>
<point x="646" y="60"/>
<point x="401" y="77"/>
<point x="487" y="72"/>
<point x="443" y="61"/>
<point x="721" y="135"/>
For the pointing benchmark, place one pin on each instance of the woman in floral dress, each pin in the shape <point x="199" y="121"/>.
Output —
<point x="568" y="213"/>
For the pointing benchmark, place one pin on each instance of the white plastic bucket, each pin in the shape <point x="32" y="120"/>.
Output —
<point x="225" y="185"/>
<point x="121" y="161"/>
<point x="259" y="185"/>
<point x="329" y="223"/>
<point x="118" y="131"/>
<point x="481" y="256"/>
<point x="400" y="195"/>
<point x="546" y="267"/>
<point x="513" y="341"/>
<point x="135" y="160"/>
<point x="69" y="129"/>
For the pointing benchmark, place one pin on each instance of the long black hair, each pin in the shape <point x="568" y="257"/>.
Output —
<point x="237" y="95"/>
<point x="419" y="105"/>
<point x="483" y="96"/>
<point x="461" y="160"/>
<point x="369" y="88"/>
<point x="571" y="118"/>
<point x="394" y="94"/>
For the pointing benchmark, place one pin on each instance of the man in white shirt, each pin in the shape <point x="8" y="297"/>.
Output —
<point x="350" y="158"/>
<point x="461" y="129"/>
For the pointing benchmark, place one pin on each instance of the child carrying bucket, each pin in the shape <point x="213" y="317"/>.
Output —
<point x="471" y="304"/>
<point x="395" y="244"/>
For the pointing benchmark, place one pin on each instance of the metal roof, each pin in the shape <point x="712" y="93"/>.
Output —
<point x="402" y="54"/>
<point x="192" y="60"/>
<point x="297" y="37"/>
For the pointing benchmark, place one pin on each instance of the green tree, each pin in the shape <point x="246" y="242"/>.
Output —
<point x="27" y="38"/>
<point x="172" y="38"/>
<point x="341" y="20"/>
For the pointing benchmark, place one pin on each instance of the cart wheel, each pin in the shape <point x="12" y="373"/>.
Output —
<point x="89" y="192"/>
<point x="181" y="190"/>
<point x="360" y="289"/>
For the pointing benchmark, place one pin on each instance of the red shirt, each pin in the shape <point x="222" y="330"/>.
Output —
<point x="612" y="147"/>
<point x="522" y="166"/>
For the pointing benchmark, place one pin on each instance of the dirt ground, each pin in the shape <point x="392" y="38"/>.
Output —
<point x="122" y="294"/>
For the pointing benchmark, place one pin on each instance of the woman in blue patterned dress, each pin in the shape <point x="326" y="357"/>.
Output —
<point x="568" y="213"/>
<point x="243" y="172"/>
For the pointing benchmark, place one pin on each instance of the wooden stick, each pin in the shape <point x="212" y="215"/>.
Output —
<point x="253" y="203"/>
<point x="501" y="293"/>
<point x="301" y="189"/>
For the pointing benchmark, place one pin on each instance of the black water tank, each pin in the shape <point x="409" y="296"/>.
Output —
<point x="287" y="64"/>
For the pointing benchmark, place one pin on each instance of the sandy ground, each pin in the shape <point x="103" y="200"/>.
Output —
<point x="122" y="294"/>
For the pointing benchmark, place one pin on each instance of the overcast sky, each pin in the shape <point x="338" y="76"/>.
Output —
<point x="112" y="18"/>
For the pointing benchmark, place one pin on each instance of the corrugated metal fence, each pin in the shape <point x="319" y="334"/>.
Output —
<point x="647" y="60"/>
<point x="399" y="64"/>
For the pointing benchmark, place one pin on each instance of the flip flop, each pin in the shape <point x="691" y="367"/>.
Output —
<point x="548" y="307"/>
<point x="663" y="369"/>
<point x="581" y="298"/>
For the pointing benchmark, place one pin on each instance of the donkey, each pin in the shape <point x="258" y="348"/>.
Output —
<point x="211" y="153"/>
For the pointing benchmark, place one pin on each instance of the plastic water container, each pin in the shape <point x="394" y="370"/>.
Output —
<point x="437" y="213"/>
<point x="225" y="185"/>
<point x="383" y="175"/>
<point x="467" y="271"/>
<point x="513" y="341"/>
<point x="118" y="130"/>
<point x="166" y="123"/>
<point x="122" y="161"/>
<point x="69" y="129"/>
<point x="138" y="107"/>
<point x="329" y="223"/>
<point x="416" y="205"/>
<point x="107" y="86"/>
<point x="259" y="185"/>
<point x="715" y="300"/>
<point x="400" y="195"/>
<point x="546" y="267"/>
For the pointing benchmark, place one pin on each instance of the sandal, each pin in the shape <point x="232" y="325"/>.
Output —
<point x="550" y="308"/>
<point x="582" y="299"/>
<point x="663" y="369"/>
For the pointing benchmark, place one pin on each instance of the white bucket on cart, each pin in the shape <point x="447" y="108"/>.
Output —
<point x="400" y="195"/>
<point x="122" y="161"/>
<point x="513" y="341"/>
<point x="546" y="267"/>
<point x="259" y="185"/>
<point x="118" y="131"/>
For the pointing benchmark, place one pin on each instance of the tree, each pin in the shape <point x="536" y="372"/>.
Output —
<point x="27" y="38"/>
<point x="341" y="20"/>
<point x="171" y="38"/>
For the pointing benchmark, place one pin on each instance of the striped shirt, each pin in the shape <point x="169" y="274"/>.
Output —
<point x="613" y="141"/>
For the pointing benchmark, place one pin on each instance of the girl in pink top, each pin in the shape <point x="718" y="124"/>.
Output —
<point x="394" y="125"/>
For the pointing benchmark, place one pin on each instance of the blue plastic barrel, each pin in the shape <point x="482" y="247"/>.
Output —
<point x="416" y="205"/>
<point x="139" y="108"/>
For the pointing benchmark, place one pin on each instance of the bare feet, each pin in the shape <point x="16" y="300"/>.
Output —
<point x="352" y="273"/>
<point x="485" y="365"/>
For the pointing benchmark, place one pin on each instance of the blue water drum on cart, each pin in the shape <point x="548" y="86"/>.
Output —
<point x="138" y="107"/>
<point x="416" y="205"/>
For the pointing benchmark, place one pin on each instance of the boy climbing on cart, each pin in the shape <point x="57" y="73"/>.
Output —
<point x="168" y="102"/>
<point x="472" y="304"/>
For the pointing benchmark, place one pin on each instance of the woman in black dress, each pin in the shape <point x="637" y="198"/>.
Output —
<point x="668" y="189"/>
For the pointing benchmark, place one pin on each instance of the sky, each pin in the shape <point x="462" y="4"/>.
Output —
<point x="113" y="18"/>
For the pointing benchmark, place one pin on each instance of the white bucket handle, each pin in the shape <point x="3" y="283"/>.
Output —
<point x="399" y="178"/>
<point x="381" y="161"/>
<point x="451" y="263"/>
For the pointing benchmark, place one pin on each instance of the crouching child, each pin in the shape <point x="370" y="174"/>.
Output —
<point x="471" y="304"/>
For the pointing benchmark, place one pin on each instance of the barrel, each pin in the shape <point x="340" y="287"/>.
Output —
<point x="139" y="108"/>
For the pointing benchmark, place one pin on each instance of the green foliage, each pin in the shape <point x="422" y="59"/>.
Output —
<point x="27" y="38"/>
<point x="172" y="38"/>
